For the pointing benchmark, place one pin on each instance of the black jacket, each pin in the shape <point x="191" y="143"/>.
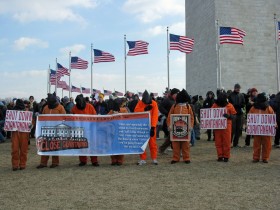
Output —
<point x="165" y="106"/>
<point x="238" y="101"/>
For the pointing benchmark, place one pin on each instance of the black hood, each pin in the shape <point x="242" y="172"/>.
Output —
<point x="183" y="97"/>
<point x="146" y="98"/>
<point x="222" y="100"/>
<point x="19" y="105"/>
<point x="80" y="102"/>
<point x="51" y="101"/>
<point x="261" y="102"/>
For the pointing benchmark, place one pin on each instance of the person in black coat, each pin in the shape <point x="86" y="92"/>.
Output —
<point x="208" y="103"/>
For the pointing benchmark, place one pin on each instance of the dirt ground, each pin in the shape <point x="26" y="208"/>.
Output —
<point x="203" y="184"/>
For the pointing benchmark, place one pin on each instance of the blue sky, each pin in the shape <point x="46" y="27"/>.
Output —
<point x="36" y="32"/>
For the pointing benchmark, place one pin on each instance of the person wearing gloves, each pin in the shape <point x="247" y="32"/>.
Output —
<point x="223" y="136"/>
<point x="262" y="144"/>
<point x="181" y="107"/>
<point x="118" y="107"/>
<point x="147" y="104"/>
<point x="19" y="142"/>
<point x="82" y="107"/>
<point x="52" y="107"/>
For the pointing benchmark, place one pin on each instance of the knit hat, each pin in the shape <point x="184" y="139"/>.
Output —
<point x="65" y="99"/>
<point x="183" y="97"/>
<point x="237" y="86"/>
<point x="253" y="90"/>
<point x="174" y="91"/>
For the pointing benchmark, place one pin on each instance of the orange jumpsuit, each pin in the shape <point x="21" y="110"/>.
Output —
<point x="223" y="136"/>
<point x="154" y="119"/>
<point x="261" y="142"/>
<point x="118" y="159"/>
<point x="19" y="149"/>
<point x="181" y="145"/>
<point x="88" y="110"/>
<point x="57" y="110"/>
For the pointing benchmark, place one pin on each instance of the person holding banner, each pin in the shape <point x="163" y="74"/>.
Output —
<point x="19" y="142"/>
<point x="52" y="107"/>
<point x="208" y="103"/>
<point x="261" y="143"/>
<point x="82" y="107"/>
<point x="147" y="104"/>
<point x="181" y="107"/>
<point x="118" y="106"/>
<point x="223" y="136"/>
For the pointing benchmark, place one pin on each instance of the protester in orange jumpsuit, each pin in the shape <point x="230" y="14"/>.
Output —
<point x="19" y="143"/>
<point x="118" y="107"/>
<point x="181" y="107"/>
<point x="53" y="107"/>
<point x="262" y="144"/>
<point x="147" y="104"/>
<point x="223" y="136"/>
<point x="82" y="107"/>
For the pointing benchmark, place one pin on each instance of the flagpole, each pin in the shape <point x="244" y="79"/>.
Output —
<point x="277" y="50"/>
<point x="219" y="76"/>
<point x="56" y="76"/>
<point x="168" y="52"/>
<point x="61" y="93"/>
<point x="48" y="84"/>
<point x="70" y="72"/>
<point x="91" y="63"/>
<point x="125" y="63"/>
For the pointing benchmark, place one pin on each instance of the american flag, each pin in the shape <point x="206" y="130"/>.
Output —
<point x="53" y="77"/>
<point x="75" y="89"/>
<point x="279" y="30"/>
<point x="231" y="35"/>
<point x="137" y="48"/>
<point x="66" y="88"/>
<point x="182" y="43"/>
<point x="107" y="92"/>
<point x="78" y="63"/>
<point x="118" y="93"/>
<point x="61" y="84"/>
<point x="62" y="70"/>
<point x="100" y="56"/>
<point x="86" y="90"/>
<point x="96" y="91"/>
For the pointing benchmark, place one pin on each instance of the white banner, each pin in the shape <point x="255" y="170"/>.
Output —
<point x="18" y="121"/>
<point x="213" y="118"/>
<point x="261" y="124"/>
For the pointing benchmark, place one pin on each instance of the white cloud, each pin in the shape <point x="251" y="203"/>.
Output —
<point x="51" y="10"/>
<point x="75" y="49"/>
<point x="176" y="28"/>
<point x="149" y="11"/>
<point x="24" y="42"/>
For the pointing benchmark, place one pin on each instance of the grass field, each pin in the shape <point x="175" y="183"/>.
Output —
<point x="203" y="184"/>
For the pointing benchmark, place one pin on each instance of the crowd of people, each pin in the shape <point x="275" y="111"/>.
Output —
<point x="174" y="101"/>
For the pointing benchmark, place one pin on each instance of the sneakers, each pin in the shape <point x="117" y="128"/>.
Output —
<point x="187" y="161"/>
<point x="225" y="160"/>
<point x="173" y="161"/>
<point x="95" y="164"/>
<point x="141" y="162"/>
<point x="41" y="166"/>
<point x="53" y="166"/>
<point x="265" y="161"/>
<point x="255" y="161"/>
<point x="155" y="162"/>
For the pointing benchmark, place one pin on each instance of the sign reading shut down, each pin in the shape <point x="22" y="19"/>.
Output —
<point x="261" y="124"/>
<point x="18" y="121"/>
<point x="213" y="118"/>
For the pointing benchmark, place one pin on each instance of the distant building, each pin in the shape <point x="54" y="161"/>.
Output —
<point x="250" y="65"/>
<point x="62" y="130"/>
